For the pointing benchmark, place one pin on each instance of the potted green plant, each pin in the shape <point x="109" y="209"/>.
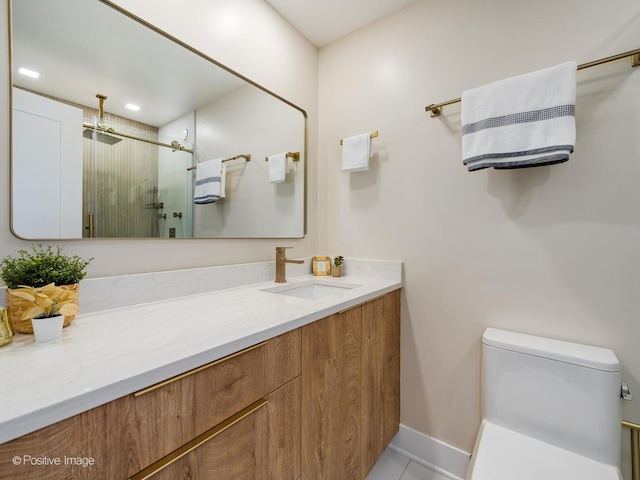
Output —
<point x="336" y="270"/>
<point x="37" y="268"/>
<point x="48" y="306"/>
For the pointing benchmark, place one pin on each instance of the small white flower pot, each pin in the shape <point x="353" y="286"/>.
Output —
<point x="47" y="329"/>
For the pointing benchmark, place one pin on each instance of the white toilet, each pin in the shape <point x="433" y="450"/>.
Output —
<point x="551" y="410"/>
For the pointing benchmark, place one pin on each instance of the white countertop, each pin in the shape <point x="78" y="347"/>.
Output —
<point x="106" y="355"/>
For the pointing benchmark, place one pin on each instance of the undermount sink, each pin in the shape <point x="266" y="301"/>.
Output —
<point x="312" y="289"/>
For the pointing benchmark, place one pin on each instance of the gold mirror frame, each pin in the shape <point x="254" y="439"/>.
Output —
<point x="209" y="60"/>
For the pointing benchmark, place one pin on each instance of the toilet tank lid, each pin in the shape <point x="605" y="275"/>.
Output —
<point x="568" y="352"/>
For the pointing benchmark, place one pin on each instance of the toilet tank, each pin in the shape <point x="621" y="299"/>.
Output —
<point x="559" y="392"/>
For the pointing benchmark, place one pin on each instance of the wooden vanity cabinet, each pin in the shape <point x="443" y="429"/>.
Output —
<point x="332" y="397"/>
<point x="319" y="402"/>
<point x="380" y="376"/>
<point x="350" y="389"/>
<point x="126" y="436"/>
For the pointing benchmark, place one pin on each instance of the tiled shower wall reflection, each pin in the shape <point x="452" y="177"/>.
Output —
<point x="121" y="181"/>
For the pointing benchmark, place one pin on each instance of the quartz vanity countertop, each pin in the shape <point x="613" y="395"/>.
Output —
<point x="106" y="355"/>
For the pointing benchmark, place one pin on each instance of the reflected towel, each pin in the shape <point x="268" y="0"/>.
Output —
<point x="208" y="181"/>
<point x="223" y="180"/>
<point x="523" y="121"/>
<point x="277" y="168"/>
<point x="356" y="152"/>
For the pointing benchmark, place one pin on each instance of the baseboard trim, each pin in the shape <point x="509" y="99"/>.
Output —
<point x="444" y="459"/>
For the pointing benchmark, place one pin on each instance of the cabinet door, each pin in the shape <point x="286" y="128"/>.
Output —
<point x="284" y="432"/>
<point x="235" y="449"/>
<point x="380" y="375"/>
<point x="332" y="397"/>
<point x="262" y="442"/>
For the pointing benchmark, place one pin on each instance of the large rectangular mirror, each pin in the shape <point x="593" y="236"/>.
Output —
<point x="120" y="130"/>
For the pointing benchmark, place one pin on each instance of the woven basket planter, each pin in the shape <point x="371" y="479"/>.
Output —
<point x="17" y="306"/>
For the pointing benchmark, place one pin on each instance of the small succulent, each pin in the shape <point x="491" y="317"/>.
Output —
<point x="47" y="301"/>
<point x="337" y="261"/>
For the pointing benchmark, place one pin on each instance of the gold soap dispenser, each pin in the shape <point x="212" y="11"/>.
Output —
<point x="6" y="332"/>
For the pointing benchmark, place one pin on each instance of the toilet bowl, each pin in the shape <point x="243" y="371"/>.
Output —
<point x="551" y="410"/>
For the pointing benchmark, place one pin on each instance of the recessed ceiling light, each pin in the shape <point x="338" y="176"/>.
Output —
<point x="133" y="107"/>
<point x="28" y="73"/>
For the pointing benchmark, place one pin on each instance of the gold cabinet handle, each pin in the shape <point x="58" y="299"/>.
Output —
<point x="197" y="442"/>
<point x="195" y="370"/>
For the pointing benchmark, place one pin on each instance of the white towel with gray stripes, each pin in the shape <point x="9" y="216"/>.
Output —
<point x="208" y="181"/>
<point x="522" y="121"/>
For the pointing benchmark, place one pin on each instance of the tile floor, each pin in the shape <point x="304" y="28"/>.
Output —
<point x="394" y="466"/>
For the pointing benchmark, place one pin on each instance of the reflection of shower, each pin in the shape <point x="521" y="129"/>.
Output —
<point x="122" y="183"/>
<point x="110" y="136"/>
<point x="100" y="128"/>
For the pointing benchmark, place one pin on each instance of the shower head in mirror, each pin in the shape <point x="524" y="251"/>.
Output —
<point x="95" y="131"/>
<point x="100" y="136"/>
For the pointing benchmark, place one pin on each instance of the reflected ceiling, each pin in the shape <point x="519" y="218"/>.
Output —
<point x="125" y="75"/>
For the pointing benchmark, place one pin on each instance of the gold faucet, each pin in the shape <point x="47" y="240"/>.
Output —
<point x="281" y="260"/>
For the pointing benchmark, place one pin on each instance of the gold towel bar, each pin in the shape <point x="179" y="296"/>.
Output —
<point x="372" y="135"/>
<point x="435" y="109"/>
<point x="295" y="156"/>
<point x="246" y="156"/>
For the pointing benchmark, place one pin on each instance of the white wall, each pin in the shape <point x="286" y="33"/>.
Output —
<point x="247" y="36"/>
<point x="550" y="250"/>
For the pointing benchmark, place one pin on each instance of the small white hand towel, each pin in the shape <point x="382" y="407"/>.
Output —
<point x="208" y="179"/>
<point x="522" y="121"/>
<point x="277" y="168"/>
<point x="356" y="151"/>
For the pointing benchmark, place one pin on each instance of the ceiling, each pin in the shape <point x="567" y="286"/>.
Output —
<point x="121" y="67"/>
<point x="325" y="21"/>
